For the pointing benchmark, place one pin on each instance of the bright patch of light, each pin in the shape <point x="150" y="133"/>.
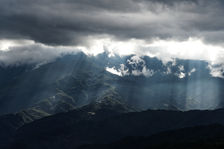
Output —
<point x="192" y="71"/>
<point x="191" y="49"/>
<point x="6" y="44"/>
<point x="113" y="47"/>
<point x="165" y="50"/>
<point x="217" y="70"/>
<point x="181" y="75"/>
<point x="113" y="71"/>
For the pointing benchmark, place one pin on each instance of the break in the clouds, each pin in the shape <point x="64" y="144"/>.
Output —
<point x="37" y="31"/>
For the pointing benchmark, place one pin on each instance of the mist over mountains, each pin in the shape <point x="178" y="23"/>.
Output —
<point x="141" y="82"/>
<point x="84" y="74"/>
<point x="80" y="97"/>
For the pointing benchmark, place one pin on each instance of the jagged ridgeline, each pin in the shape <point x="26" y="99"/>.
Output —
<point x="73" y="81"/>
<point x="82" y="98"/>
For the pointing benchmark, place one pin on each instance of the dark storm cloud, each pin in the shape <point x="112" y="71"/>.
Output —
<point x="70" y="22"/>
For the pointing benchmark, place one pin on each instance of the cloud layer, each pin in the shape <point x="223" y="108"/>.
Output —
<point x="32" y="53"/>
<point x="38" y="31"/>
<point x="67" y="22"/>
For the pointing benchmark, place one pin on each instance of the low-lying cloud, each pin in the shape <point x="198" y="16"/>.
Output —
<point x="34" y="53"/>
<point x="166" y="51"/>
<point x="38" y="31"/>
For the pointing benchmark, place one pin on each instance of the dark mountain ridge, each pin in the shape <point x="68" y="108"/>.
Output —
<point x="105" y="125"/>
<point x="198" y="137"/>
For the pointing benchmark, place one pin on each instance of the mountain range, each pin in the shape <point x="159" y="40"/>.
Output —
<point x="86" y="101"/>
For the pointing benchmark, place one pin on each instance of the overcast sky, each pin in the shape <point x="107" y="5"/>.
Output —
<point x="37" y="30"/>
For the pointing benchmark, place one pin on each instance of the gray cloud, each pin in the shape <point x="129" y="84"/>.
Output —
<point x="68" y="22"/>
<point x="33" y="54"/>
